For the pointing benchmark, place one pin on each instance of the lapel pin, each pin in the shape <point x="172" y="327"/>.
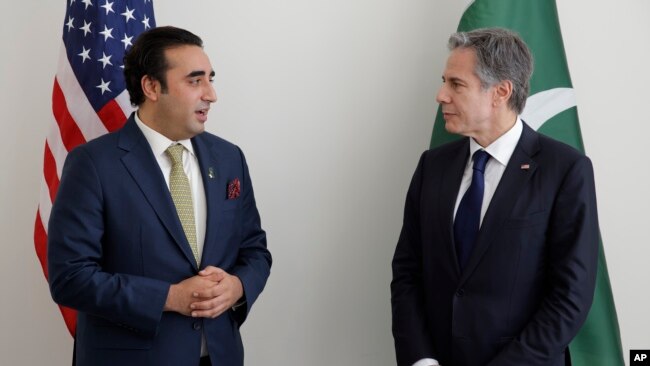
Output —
<point x="210" y="173"/>
<point x="525" y="166"/>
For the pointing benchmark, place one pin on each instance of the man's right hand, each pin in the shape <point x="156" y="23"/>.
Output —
<point x="180" y="296"/>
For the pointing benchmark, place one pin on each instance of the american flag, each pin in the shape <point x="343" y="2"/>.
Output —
<point x="89" y="97"/>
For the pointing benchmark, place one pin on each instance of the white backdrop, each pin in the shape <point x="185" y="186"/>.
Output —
<point x="332" y="101"/>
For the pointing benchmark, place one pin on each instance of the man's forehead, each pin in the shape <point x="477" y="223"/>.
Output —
<point x="460" y="64"/>
<point x="188" y="57"/>
<point x="462" y="58"/>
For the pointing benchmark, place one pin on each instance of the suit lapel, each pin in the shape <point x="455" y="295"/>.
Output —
<point x="512" y="182"/>
<point x="214" y="178"/>
<point x="144" y="169"/>
<point x="452" y="177"/>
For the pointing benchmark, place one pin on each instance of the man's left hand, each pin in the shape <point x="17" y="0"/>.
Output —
<point x="215" y="300"/>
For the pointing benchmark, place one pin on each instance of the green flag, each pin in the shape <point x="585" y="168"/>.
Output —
<point x="550" y="109"/>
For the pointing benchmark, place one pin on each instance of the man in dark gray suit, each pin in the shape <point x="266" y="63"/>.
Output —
<point x="496" y="261"/>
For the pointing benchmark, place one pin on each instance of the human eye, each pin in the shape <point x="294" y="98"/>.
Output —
<point x="456" y="85"/>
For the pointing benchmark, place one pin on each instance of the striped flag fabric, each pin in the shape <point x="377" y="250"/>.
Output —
<point x="551" y="109"/>
<point x="89" y="98"/>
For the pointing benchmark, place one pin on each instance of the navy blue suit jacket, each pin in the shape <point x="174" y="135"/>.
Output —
<point x="115" y="244"/>
<point x="529" y="281"/>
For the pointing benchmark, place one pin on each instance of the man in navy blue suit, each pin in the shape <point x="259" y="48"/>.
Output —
<point x="157" y="279"/>
<point x="496" y="261"/>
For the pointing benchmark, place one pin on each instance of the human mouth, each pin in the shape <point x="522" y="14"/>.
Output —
<point x="447" y="115"/>
<point x="202" y="114"/>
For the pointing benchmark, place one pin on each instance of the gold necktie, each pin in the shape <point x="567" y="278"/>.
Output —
<point x="179" y="186"/>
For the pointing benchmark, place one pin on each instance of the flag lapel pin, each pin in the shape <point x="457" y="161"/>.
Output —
<point x="525" y="166"/>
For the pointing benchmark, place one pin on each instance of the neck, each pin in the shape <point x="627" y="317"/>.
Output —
<point x="148" y="116"/>
<point x="499" y="126"/>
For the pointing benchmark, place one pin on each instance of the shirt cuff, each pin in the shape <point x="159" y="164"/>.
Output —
<point x="239" y="303"/>
<point x="427" y="362"/>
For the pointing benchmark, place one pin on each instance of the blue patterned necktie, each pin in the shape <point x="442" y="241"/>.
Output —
<point x="468" y="216"/>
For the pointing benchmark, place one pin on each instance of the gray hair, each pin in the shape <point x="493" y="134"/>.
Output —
<point x="501" y="55"/>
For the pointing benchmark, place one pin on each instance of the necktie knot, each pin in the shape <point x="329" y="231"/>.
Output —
<point x="481" y="158"/>
<point x="175" y="153"/>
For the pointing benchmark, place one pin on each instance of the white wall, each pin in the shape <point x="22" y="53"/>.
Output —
<point x="332" y="101"/>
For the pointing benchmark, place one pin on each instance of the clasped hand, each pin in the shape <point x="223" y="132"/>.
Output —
<point x="206" y="295"/>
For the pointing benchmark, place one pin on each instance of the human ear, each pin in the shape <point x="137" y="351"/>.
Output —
<point x="502" y="92"/>
<point x="151" y="87"/>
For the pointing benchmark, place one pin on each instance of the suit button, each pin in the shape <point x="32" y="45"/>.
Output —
<point x="460" y="293"/>
<point x="196" y="325"/>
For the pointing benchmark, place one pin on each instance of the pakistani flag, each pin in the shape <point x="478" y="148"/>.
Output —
<point x="550" y="109"/>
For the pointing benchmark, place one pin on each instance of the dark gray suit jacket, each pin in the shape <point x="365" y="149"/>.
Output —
<point x="529" y="282"/>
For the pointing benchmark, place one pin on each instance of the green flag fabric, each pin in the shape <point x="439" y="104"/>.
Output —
<point x="550" y="109"/>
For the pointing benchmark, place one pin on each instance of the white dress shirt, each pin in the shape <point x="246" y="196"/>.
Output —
<point x="159" y="144"/>
<point x="500" y="152"/>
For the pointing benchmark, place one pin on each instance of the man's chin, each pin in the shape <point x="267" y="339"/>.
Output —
<point x="198" y="129"/>
<point x="451" y="128"/>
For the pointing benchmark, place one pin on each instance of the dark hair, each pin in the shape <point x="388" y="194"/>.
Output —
<point x="147" y="57"/>
<point x="500" y="55"/>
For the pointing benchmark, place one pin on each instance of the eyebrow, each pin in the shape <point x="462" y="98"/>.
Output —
<point x="453" y="79"/>
<point x="199" y="73"/>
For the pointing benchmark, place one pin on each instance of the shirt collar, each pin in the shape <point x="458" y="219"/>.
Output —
<point x="503" y="147"/>
<point x="158" y="142"/>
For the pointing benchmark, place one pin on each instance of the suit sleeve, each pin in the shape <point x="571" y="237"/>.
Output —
<point x="253" y="265"/>
<point x="412" y="340"/>
<point x="572" y="250"/>
<point x="76" y="278"/>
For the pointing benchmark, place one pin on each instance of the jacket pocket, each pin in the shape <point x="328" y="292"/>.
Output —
<point x="231" y="204"/>
<point x="103" y="334"/>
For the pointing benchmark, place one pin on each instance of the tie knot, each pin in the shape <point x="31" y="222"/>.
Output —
<point x="175" y="152"/>
<point x="481" y="158"/>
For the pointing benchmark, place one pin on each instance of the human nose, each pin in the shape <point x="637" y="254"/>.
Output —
<point x="210" y="95"/>
<point x="442" y="96"/>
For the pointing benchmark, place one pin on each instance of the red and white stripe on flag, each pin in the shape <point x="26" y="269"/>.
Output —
<point x="89" y="97"/>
